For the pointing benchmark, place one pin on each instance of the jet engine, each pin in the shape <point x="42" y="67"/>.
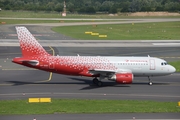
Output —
<point x="122" y="78"/>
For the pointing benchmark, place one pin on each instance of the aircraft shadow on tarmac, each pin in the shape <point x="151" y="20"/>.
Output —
<point x="89" y="84"/>
<point x="112" y="84"/>
<point x="93" y="86"/>
<point x="81" y="81"/>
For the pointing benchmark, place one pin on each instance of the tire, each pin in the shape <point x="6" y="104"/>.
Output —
<point x="95" y="81"/>
<point x="99" y="84"/>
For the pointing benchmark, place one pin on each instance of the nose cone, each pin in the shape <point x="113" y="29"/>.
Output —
<point x="172" y="69"/>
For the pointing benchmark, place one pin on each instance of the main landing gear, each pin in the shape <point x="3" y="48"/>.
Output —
<point x="97" y="82"/>
<point x="150" y="82"/>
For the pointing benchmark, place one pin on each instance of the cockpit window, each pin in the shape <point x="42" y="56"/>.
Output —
<point x="164" y="63"/>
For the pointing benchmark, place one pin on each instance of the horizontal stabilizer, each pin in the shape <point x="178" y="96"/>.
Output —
<point x="31" y="62"/>
<point x="19" y="60"/>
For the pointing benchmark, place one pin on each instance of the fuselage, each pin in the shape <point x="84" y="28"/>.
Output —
<point x="79" y="65"/>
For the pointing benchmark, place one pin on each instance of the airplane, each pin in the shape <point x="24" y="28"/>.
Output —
<point x="121" y="69"/>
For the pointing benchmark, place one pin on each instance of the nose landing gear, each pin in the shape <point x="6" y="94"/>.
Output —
<point x="150" y="82"/>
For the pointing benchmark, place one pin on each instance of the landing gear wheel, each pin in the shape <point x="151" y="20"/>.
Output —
<point x="99" y="83"/>
<point x="95" y="80"/>
<point x="150" y="83"/>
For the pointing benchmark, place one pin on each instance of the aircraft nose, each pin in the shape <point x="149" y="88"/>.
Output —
<point x="172" y="69"/>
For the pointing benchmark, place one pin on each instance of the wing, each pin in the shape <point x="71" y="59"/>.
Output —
<point x="108" y="73"/>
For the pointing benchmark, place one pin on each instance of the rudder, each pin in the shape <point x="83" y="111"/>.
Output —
<point x="29" y="45"/>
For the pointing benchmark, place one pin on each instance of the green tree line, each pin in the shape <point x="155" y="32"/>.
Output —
<point x="92" y="6"/>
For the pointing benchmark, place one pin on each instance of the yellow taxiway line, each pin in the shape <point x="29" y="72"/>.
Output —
<point x="50" y="75"/>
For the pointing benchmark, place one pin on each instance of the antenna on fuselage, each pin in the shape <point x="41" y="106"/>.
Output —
<point x="148" y="56"/>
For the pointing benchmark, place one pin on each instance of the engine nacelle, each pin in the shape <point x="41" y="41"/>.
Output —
<point x="123" y="78"/>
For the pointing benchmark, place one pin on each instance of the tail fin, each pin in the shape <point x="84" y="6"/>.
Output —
<point x="29" y="45"/>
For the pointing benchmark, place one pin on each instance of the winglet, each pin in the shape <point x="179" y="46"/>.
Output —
<point x="29" y="45"/>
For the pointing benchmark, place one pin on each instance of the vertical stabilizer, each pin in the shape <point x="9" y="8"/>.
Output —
<point x="29" y="45"/>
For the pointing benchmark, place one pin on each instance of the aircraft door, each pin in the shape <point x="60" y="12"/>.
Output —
<point x="152" y="64"/>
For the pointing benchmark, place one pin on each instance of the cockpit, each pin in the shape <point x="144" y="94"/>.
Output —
<point x="164" y="63"/>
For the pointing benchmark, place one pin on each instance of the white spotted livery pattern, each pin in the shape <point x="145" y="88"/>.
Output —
<point x="79" y="62"/>
<point x="75" y="65"/>
<point x="29" y="45"/>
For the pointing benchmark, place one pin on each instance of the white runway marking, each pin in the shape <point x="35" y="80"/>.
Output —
<point x="92" y="94"/>
<point x="97" y="43"/>
<point x="166" y="44"/>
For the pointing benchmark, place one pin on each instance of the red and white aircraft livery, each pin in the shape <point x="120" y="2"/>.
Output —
<point x="119" y="69"/>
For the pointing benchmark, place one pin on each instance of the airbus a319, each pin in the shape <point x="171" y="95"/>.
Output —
<point x="120" y="69"/>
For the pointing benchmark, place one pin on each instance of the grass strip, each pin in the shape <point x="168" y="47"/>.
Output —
<point x="137" y="31"/>
<point x="9" y="107"/>
<point x="176" y="64"/>
<point x="46" y="14"/>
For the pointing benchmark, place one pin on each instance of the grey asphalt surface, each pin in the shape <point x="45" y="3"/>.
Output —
<point x="17" y="82"/>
